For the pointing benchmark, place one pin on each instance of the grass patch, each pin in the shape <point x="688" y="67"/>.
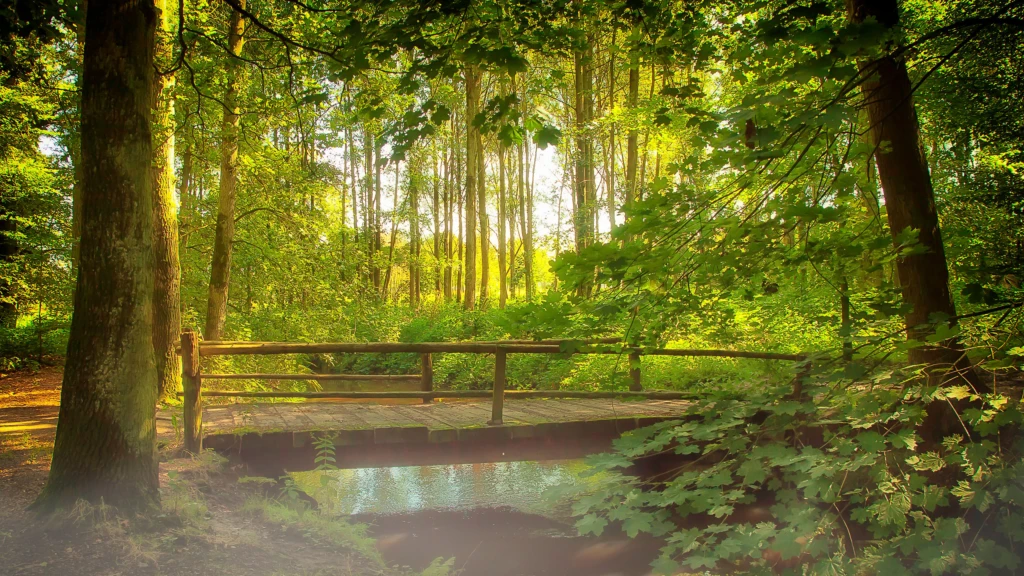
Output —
<point x="295" y="515"/>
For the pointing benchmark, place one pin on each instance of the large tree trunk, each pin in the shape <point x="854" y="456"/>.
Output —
<point x="910" y="204"/>
<point x="472" y="152"/>
<point x="220" y="274"/>
<point x="105" y="447"/>
<point x="167" y="278"/>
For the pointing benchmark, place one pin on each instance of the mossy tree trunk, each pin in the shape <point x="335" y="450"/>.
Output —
<point x="105" y="447"/>
<point x="167" y="279"/>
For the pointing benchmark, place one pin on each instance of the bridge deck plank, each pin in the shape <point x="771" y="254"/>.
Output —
<point x="311" y="416"/>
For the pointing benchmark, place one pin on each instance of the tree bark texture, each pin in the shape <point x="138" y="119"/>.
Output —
<point x="105" y="446"/>
<point x="167" y="274"/>
<point x="472" y="74"/>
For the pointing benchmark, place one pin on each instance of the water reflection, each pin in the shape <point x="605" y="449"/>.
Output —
<point x="498" y="519"/>
<point x="402" y="490"/>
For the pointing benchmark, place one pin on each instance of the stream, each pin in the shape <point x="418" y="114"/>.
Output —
<point x="495" y="519"/>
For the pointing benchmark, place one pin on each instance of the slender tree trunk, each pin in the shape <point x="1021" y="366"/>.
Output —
<point x="462" y="243"/>
<point x="580" y="218"/>
<point x="512" y="202"/>
<point x="631" y="151"/>
<point x="369" y="215"/>
<point x="485" y="227"/>
<point x="344" y="190"/>
<point x="353" y="186"/>
<point x="105" y="448"/>
<point x="910" y="204"/>
<point x="526" y="213"/>
<point x="377" y="214"/>
<point x="610" y="171"/>
<point x="448" y="175"/>
<point x="415" y="173"/>
<point x="436" y="213"/>
<point x="459" y="199"/>
<point x="391" y="242"/>
<point x="502" y="248"/>
<point x="167" y="279"/>
<point x="185" y="186"/>
<point x="585" y="193"/>
<point x="523" y="208"/>
<point x="220" y="275"/>
<point x="472" y="74"/>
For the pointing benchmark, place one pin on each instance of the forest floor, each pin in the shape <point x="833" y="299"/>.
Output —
<point x="204" y="527"/>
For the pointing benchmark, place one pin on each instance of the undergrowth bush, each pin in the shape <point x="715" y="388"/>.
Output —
<point x="32" y="343"/>
<point x="837" y="483"/>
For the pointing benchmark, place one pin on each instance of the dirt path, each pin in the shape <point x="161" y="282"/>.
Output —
<point x="203" y="530"/>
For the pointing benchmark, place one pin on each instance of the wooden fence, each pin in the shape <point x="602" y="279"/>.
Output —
<point x="192" y="350"/>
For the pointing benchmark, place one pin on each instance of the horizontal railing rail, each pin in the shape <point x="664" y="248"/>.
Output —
<point x="382" y="394"/>
<point x="318" y="377"/>
<point x="192" y="350"/>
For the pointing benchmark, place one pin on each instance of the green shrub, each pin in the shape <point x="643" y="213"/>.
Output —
<point x="32" y="343"/>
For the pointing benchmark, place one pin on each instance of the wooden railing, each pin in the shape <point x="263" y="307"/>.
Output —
<point x="192" y="350"/>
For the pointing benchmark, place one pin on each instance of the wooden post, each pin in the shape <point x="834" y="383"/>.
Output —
<point x="427" y="375"/>
<point x="634" y="372"/>
<point x="498" y="401"/>
<point x="192" y="382"/>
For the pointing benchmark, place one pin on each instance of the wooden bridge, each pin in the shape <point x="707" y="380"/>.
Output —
<point x="445" y="426"/>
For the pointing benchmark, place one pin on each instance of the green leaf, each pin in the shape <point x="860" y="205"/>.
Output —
<point x="636" y="523"/>
<point x="547" y="136"/>
<point x="871" y="441"/>
<point x="665" y="565"/>
<point x="591" y="524"/>
<point x="752" y="471"/>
